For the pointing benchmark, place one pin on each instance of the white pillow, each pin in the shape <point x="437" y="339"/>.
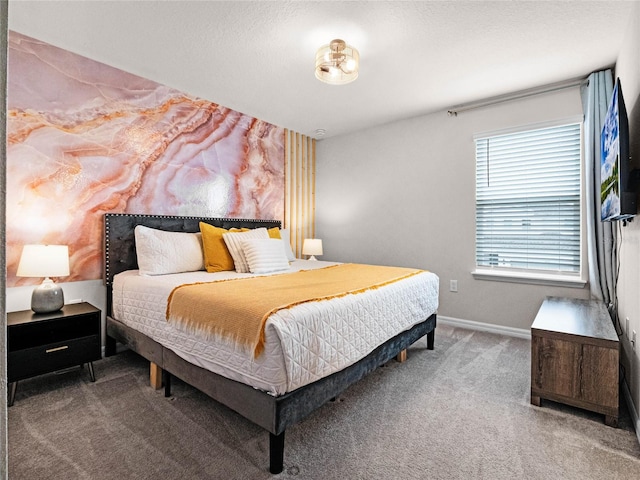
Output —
<point x="264" y="255"/>
<point x="286" y="242"/>
<point x="160" y="252"/>
<point x="232" y="240"/>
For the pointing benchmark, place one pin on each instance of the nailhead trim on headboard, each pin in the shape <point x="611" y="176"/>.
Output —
<point x="119" y="240"/>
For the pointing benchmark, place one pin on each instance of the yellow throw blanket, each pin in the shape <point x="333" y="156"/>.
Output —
<point x="239" y="308"/>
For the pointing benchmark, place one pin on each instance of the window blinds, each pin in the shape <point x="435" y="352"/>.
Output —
<point x="528" y="199"/>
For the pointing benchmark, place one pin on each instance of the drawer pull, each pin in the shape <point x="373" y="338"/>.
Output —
<point x="57" y="349"/>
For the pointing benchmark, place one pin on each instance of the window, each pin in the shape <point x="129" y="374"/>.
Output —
<point x="528" y="201"/>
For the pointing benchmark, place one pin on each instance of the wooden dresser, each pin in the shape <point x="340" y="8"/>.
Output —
<point x="574" y="356"/>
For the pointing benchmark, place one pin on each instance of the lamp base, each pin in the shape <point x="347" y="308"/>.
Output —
<point x="47" y="297"/>
<point x="312" y="258"/>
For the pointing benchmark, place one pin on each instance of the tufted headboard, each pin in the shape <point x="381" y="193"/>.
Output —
<point x="120" y="245"/>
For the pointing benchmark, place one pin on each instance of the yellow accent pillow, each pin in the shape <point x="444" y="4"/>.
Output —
<point x="274" y="232"/>
<point x="216" y="255"/>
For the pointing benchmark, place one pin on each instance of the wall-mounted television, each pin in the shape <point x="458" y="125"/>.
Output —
<point x="617" y="187"/>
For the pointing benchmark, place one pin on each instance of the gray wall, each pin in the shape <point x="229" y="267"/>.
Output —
<point x="404" y="194"/>
<point x="628" y="69"/>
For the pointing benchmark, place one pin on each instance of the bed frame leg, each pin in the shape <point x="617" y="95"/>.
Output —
<point x="155" y="376"/>
<point x="276" y="453"/>
<point x="431" y="336"/>
<point x="402" y="356"/>
<point x="166" y="379"/>
<point x="110" y="346"/>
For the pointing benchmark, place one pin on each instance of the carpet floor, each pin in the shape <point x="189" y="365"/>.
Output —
<point x="461" y="411"/>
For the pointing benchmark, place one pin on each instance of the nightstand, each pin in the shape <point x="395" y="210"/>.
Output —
<point x="39" y="343"/>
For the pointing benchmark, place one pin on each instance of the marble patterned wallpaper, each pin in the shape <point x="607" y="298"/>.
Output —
<point x="84" y="138"/>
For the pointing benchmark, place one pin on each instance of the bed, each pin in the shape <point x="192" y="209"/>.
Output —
<point x="279" y="398"/>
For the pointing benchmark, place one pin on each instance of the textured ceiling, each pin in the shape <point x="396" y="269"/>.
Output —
<point x="416" y="57"/>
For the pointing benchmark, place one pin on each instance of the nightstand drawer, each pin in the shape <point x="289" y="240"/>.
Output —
<point x="54" y="356"/>
<point x="46" y="332"/>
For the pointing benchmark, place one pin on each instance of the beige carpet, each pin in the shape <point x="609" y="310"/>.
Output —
<point x="460" y="411"/>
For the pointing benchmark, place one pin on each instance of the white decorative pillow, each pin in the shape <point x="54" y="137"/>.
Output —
<point x="265" y="255"/>
<point x="286" y="242"/>
<point x="232" y="240"/>
<point x="160" y="252"/>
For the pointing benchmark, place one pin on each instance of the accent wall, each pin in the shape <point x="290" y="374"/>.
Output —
<point x="84" y="138"/>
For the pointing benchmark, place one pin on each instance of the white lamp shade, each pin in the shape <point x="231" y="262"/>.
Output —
<point x="44" y="261"/>
<point x="312" y="246"/>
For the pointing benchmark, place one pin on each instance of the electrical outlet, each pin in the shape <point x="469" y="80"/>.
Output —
<point x="626" y="326"/>
<point x="453" y="285"/>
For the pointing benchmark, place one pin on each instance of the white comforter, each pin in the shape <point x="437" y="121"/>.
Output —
<point x="303" y="343"/>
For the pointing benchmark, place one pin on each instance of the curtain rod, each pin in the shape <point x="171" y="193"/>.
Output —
<point x="552" y="87"/>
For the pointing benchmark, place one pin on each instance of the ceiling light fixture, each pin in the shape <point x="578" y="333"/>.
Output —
<point x="337" y="63"/>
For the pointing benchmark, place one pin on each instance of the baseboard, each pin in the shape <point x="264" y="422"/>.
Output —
<point x="632" y="408"/>
<point x="485" y="327"/>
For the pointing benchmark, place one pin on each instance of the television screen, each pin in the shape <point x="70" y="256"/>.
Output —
<point x="617" y="199"/>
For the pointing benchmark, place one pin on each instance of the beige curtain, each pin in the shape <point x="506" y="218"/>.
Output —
<point x="300" y="179"/>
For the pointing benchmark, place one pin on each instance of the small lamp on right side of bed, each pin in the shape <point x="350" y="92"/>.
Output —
<point x="312" y="246"/>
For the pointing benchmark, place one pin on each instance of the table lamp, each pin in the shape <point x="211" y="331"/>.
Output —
<point x="45" y="261"/>
<point x="312" y="246"/>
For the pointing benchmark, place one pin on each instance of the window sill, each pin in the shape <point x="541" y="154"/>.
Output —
<point x="530" y="278"/>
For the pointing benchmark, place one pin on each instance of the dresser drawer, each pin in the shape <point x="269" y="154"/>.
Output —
<point x="41" y="359"/>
